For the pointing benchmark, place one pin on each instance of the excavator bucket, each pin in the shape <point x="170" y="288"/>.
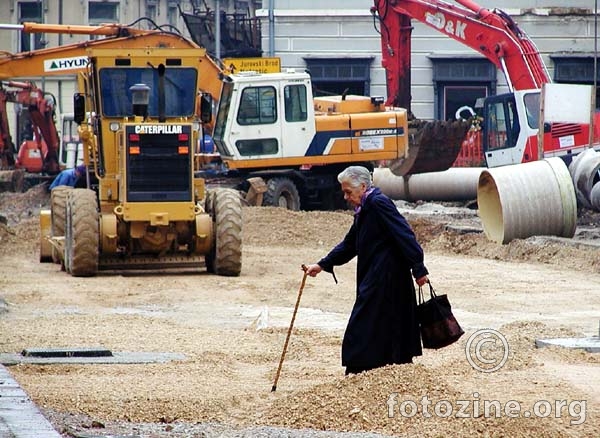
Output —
<point x="256" y="190"/>
<point x="433" y="146"/>
<point x="12" y="180"/>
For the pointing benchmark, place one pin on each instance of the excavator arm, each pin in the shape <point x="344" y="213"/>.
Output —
<point x="7" y="147"/>
<point x="42" y="117"/>
<point x="494" y="34"/>
<point x="435" y="145"/>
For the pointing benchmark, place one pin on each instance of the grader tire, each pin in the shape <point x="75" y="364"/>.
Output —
<point x="282" y="192"/>
<point x="82" y="233"/>
<point x="226" y="257"/>
<point x="58" y="213"/>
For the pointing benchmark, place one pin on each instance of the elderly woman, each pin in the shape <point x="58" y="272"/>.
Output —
<point x="383" y="327"/>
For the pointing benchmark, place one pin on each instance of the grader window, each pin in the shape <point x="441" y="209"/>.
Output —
<point x="116" y="97"/>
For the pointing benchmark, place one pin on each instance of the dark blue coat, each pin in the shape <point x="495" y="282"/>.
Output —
<point x="383" y="327"/>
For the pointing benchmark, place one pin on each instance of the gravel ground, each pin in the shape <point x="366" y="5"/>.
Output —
<point x="231" y="331"/>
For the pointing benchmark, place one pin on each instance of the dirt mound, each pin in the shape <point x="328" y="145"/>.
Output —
<point x="16" y="207"/>
<point x="527" y="250"/>
<point x="272" y="225"/>
<point x="400" y="400"/>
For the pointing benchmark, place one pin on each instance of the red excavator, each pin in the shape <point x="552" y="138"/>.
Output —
<point x="39" y="153"/>
<point x="510" y="121"/>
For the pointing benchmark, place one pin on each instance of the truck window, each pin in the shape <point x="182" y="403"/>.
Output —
<point x="532" y="109"/>
<point x="180" y="92"/>
<point x="294" y="98"/>
<point x="223" y="111"/>
<point x="496" y="126"/>
<point x="258" y="106"/>
<point x="261" y="146"/>
<point x="502" y="124"/>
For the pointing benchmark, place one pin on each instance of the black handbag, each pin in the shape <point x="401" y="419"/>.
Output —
<point x="438" y="325"/>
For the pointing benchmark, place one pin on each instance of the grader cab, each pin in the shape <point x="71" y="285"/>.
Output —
<point x="139" y="115"/>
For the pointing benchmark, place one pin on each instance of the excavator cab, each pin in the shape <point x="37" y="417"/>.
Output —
<point x="258" y="116"/>
<point x="511" y="129"/>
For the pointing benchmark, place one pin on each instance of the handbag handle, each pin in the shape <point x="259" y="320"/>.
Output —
<point x="431" y="292"/>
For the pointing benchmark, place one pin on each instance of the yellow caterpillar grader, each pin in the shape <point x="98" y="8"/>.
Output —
<point x="142" y="205"/>
<point x="144" y="102"/>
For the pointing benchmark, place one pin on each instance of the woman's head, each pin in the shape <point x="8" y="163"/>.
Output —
<point x="355" y="181"/>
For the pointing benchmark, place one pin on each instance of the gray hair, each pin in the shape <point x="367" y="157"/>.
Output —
<point x="355" y="176"/>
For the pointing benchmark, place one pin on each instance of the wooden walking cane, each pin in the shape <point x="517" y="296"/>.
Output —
<point x="287" y="339"/>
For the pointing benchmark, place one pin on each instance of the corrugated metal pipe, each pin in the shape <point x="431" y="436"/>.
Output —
<point x="454" y="184"/>
<point x="584" y="172"/>
<point x="529" y="199"/>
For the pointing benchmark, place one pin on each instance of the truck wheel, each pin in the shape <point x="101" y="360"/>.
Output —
<point x="82" y="233"/>
<point x="282" y="192"/>
<point x="58" y="211"/>
<point x="225" y="257"/>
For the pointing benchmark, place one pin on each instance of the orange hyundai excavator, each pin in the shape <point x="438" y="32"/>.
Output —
<point x="39" y="155"/>
<point x="510" y="121"/>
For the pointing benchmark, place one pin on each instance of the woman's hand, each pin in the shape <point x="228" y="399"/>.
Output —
<point x="422" y="280"/>
<point x="313" y="270"/>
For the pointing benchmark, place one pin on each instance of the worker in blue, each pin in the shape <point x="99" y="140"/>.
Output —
<point x="68" y="177"/>
<point x="383" y="327"/>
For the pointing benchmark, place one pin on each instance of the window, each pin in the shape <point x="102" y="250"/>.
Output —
<point x="103" y="12"/>
<point x="532" y="108"/>
<point x="261" y="146"/>
<point x="172" y="15"/>
<point x="577" y="68"/>
<point x="151" y="13"/>
<point x="460" y="97"/>
<point x="294" y="97"/>
<point x="258" y="106"/>
<point x="340" y="75"/>
<point x="459" y="82"/>
<point x="30" y="12"/>
<point x="116" y="97"/>
<point x="502" y="122"/>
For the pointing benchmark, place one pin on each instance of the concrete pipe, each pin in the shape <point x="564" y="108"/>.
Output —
<point x="595" y="197"/>
<point x="454" y="184"/>
<point x="584" y="172"/>
<point x="524" y="200"/>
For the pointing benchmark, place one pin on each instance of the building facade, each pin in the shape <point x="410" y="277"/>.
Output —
<point x="169" y="14"/>
<point x="340" y="45"/>
<point x="338" y="42"/>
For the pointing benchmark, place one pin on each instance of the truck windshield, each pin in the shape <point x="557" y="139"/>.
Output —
<point x="224" y="103"/>
<point x="180" y="92"/>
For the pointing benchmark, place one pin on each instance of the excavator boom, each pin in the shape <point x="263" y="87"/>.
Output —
<point x="494" y="34"/>
<point x="73" y="58"/>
